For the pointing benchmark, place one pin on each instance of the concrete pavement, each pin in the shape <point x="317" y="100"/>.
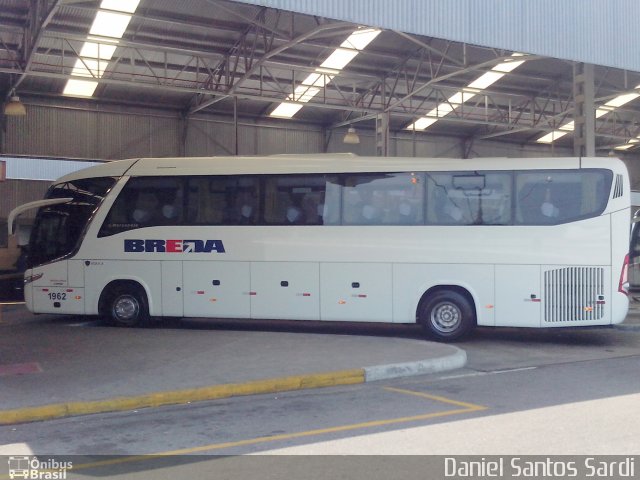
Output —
<point x="61" y="366"/>
<point x="53" y="367"/>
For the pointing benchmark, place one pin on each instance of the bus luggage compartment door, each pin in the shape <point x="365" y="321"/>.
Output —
<point x="286" y="290"/>
<point x="217" y="289"/>
<point x="356" y="292"/>
<point x="172" y="289"/>
<point x="518" y="295"/>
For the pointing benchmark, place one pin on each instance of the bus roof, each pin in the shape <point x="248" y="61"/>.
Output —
<point x="329" y="163"/>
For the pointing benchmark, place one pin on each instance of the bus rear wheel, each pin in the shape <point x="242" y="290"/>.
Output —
<point x="446" y="315"/>
<point x="126" y="305"/>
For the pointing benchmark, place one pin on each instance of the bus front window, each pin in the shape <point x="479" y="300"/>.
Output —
<point x="58" y="229"/>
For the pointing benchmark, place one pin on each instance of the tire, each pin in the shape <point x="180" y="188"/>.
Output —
<point x="447" y="315"/>
<point x="126" y="306"/>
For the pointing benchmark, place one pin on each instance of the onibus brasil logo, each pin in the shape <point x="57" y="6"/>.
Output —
<point x="33" y="468"/>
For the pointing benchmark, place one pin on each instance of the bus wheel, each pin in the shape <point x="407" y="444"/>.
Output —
<point x="446" y="315"/>
<point x="126" y="305"/>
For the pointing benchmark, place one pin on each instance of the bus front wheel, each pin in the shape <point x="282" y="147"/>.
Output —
<point x="446" y="315"/>
<point x="126" y="305"/>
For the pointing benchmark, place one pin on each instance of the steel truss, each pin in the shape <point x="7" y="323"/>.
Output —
<point x="276" y="50"/>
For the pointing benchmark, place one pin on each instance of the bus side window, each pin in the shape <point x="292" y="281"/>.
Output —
<point x="145" y="202"/>
<point x="206" y="202"/>
<point x="552" y="197"/>
<point x="469" y="198"/>
<point x="445" y="204"/>
<point x="295" y="199"/>
<point x="331" y="206"/>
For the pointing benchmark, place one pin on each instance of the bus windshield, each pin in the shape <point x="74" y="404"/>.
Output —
<point x="58" y="228"/>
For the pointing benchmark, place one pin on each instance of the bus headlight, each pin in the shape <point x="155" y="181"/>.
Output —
<point x="33" y="278"/>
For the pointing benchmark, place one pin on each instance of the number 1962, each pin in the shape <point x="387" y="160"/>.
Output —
<point x="57" y="296"/>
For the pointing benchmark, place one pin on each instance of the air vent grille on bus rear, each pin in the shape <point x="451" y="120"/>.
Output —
<point x="618" y="189"/>
<point x="573" y="294"/>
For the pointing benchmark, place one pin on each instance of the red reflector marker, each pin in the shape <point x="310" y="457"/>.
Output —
<point x="200" y="292"/>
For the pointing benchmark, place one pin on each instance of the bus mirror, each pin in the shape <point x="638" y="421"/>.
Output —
<point x="28" y="206"/>
<point x="636" y="217"/>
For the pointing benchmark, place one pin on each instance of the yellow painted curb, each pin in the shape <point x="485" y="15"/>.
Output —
<point x="300" y="382"/>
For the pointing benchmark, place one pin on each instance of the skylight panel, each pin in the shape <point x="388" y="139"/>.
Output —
<point x="481" y="83"/>
<point x="317" y="80"/>
<point x="97" y="50"/>
<point x="111" y="21"/>
<point x="286" y="110"/>
<point x="339" y="59"/>
<point x="423" y="123"/>
<point x="128" y="6"/>
<point x="552" y="136"/>
<point x="80" y="88"/>
<point x="509" y="65"/>
<point x="327" y="70"/>
<point x="608" y="107"/>
<point x="304" y="93"/>
<point x="360" y="38"/>
<point x="568" y="127"/>
<point x="87" y="67"/>
<point x="620" y="100"/>
<point x="460" y="97"/>
<point x="110" y="24"/>
<point x="631" y="143"/>
<point x="486" y="80"/>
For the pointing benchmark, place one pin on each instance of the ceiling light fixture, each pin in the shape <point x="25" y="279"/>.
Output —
<point x="14" y="107"/>
<point x="351" y="137"/>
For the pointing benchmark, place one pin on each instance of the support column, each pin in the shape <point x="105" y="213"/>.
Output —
<point x="382" y="135"/>
<point x="584" y="137"/>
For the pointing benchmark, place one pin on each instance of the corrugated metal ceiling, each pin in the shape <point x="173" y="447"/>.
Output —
<point x="218" y="56"/>
<point x="602" y="32"/>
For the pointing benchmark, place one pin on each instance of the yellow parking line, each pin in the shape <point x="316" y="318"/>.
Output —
<point x="470" y="406"/>
<point x="465" y="408"/>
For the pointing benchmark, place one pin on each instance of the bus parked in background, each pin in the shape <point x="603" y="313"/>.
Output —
<point x="634" y="247"/>
<point x="449" y="244"/>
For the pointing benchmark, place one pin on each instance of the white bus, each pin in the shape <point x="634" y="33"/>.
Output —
<point x="449" y="244"/>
